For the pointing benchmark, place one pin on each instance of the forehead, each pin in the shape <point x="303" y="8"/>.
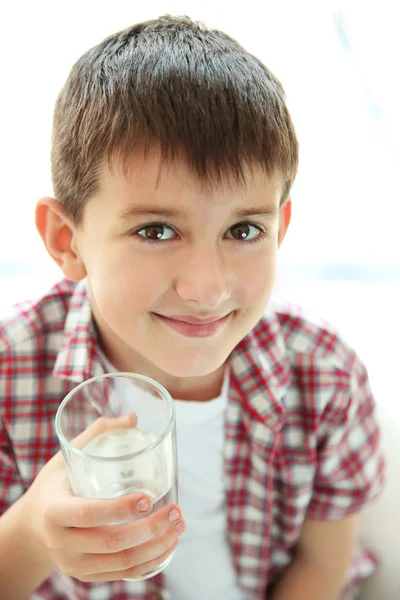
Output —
<point x="146" y="177"/>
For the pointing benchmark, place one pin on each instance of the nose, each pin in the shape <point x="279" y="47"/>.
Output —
<point x="203" y="278"/>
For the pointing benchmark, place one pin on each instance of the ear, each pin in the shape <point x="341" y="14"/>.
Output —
<point x="284" y="219"/>
<point x="59" y="237"/>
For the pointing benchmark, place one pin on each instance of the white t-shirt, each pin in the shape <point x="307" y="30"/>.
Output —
<point x="201" y="568"/>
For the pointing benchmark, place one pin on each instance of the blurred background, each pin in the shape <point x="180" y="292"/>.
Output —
<point x="338" y="61"/>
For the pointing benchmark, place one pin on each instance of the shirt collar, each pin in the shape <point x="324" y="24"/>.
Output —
<point x="261" y="373"/>
<point x="79" y="358"/>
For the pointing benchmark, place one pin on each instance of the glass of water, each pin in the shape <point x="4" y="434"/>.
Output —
<point x="121" y="460"/>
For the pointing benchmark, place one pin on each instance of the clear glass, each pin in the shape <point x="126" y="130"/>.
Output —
<point x="127" y="460"/>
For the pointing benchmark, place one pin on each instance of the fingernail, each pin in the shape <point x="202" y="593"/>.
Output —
<point x="143" y="505"/>
<point x="173" y="515"/>
<point x="179" y="527"/>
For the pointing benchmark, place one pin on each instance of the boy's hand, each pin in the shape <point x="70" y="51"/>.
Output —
<point x="75" y="533"/>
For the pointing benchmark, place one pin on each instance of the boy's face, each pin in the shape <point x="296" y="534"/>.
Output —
<point x="165" y="260"/>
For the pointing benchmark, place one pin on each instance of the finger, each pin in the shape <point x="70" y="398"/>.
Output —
<point x="73" y="511"/>
<point x="133" y="572"/>
<point x="90" y="564"/>
<point x="114" y="538"/>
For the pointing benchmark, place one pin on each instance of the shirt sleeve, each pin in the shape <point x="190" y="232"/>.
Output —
<point x="350" y="468"/>
<point x="11" y="484"/>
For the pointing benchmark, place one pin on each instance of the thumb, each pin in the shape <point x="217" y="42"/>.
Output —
<point x="99" y="426"/>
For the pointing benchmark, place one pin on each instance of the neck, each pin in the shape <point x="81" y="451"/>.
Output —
<point x="200" y="389"/>
<point x="189" y="389"/>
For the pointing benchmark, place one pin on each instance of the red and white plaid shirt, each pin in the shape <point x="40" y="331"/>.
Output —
<point x="301" y="439"/>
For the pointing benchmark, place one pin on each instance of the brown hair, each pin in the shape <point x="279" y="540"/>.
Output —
<point x="173" y="82"/>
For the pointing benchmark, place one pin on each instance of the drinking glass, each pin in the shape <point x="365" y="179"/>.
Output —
<point x="121" y="460"/>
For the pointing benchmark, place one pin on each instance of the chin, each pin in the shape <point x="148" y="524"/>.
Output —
<point x="191" y="368"/>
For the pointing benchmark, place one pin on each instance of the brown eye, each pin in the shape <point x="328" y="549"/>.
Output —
<point x="244" y="231"/>
<point x="156" y="232"/>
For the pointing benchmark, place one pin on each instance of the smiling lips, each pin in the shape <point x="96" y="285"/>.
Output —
<point x="192" y="326"/>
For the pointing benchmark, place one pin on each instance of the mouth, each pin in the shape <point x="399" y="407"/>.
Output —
<point x="192" y="326"/>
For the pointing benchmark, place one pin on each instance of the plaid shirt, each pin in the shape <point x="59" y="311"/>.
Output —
<point x="301" y="438"/>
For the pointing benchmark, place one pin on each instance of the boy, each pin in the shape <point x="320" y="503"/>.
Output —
<point x="173" y="156"/>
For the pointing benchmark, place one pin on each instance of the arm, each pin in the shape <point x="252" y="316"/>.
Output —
<point x="349" y="473"/>
<point x="322" y="558"/>
<point x="24" y="564"/>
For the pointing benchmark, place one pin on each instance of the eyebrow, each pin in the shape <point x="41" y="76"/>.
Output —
<point x="158" y="211"/>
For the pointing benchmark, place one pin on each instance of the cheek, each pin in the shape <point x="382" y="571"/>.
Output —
<point x="255" y="281"/>
<point x="123" y="287"/>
